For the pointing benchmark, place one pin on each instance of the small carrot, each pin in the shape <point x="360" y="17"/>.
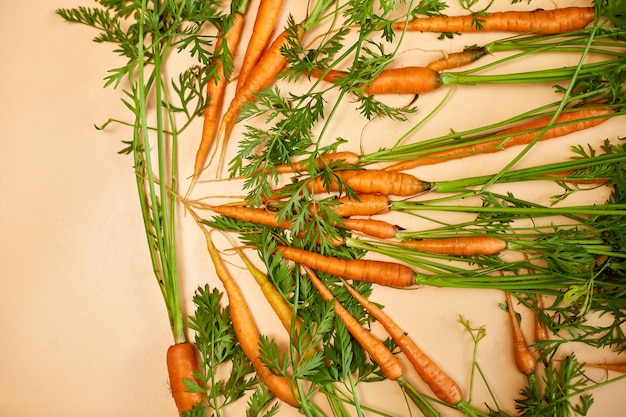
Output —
<point x="541" y="330"/>
<point x="389" y="365"/>
<point x="361" y="205"/>
<point x="246" y="330"/>
<point x="406" y="80"/>
<point x="458" y="59"/>
<point x="181" y="364"/>
<point x="461" y="246"/>
<point x="216" y="88"/>
<point x="375" y="228"/>
<point x="444" y="387"/>
<point x="538" y="21"/>
<point x="615" y="367"/>
<point x="566" y="123"/>
<point x="340" y="158"/>
<point x="378" y="272"/>
<point x="264" y="24"/>
<point x="524" y="358"/>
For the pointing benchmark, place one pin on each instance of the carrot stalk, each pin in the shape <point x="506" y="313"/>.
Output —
<point x="181" y="364"/>
<point x="524" y="358"/>
<point x="538" y="21"/>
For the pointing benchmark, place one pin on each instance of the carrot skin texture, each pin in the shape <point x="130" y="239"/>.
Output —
<point x="264" y="24"/>
<point x="405" y="80"/>
<point x="516" y="138"/>
<point x="461" y="246"/>
<point x="340" y="158"/>
<point x="246" y="331"/>
<point x="378" y="272"/>
<point x="546" y="22"/>
<point x="457" y="59"/>
<point x="372" y="181"/>
<point x="389" y="364"/>
<point x="181" y="364"/>
<point x="444" y="387"/>
<point x="524" y="358"/>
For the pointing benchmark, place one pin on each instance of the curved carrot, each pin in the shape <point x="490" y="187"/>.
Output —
<point x="181" y="364"/>
<point x="565" y="123"/>
<point x="264" y="24"/>
<point x="246" y="330"/>
<point x="458" y="59"/>
<point x="538" y="21"/>
<point x="407" y="80"/>
<point x="378" y="272"/>
<point x="342" y="158"/>
<point x="461" y="246"/>
<point x="444" y="387"/>
<point x="524" y="358"/>
<point x="389" y="365"/>
<point x="216" y="89"/>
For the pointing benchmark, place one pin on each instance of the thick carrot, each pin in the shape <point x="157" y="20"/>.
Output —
<point x="524" y="358"/>
<point x="246" y="330"/>
<point x="461" y="246"/>
<point x="216" y="89"/>
<point x="265" y="71"/>
<point x="181" y="364"/>
<point x="340" y="158"/>
<point x="389" y="365"/>
<point x="406" y="80"/>
<point x="264" y="24"/>
<point x="458" y="59"/>
<point x="566" y="123"/>
<point x="361" y="205"/>
<point x="378" y="272"/>
<point x="538" y="21"/>
<point x="444" y="387"/>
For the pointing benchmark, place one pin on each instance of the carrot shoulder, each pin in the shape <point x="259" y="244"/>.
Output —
<point x="181" y="364"/>
<point x="538" y="21"/>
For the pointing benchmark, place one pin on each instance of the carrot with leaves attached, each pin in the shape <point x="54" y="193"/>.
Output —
<point x="182" y="364"/>
<point x="524" y="358"/>
<point x="389" y="274"/>
<point x="538" y="21"/>
<point x="461" y="245"/>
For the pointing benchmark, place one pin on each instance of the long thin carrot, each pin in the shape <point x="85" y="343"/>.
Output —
<point x="389" y="365"/>
<point x="614" y="366"/>
<point x="216" y="89"/>
<point x="340" y="158"/>
<point x="378" y="272"/>
<point x="538" y="21"/>
<point x="564" y="124"/>
<point x="264" y="25"/>
<point x="444" y="387"/>
<point x="181" y="364"/>
<point x="461" y="246"/>
<point x="246" y="330"/>
<point x="524" y="358"/>
<point x="458" y="59"/>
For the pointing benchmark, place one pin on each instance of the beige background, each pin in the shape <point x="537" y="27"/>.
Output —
<point x="84" y="329"/>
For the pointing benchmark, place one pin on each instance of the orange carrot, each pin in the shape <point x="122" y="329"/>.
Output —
<point x="615" y="367"/>
<point x="566" y="123"/>
<point x="406" y="80"/>
<point x="216" y="89"/>
<point x="378" y="272"/>
<point x="461" y="246"/>
<point x="458" y="59"/>
<point x="265" y="71"/>
<point x="361" y="205"/>
<point x="375" y="228"/>
<point x="264" y="24"/>
<point x="258" y="216"/>
<point x="389" y="365"/>
<point x="181" y="364"/>
<point x="444" y="387"/>
<point x="524" y="358"/>
<point x="538" y="21"/>
<point x="341" y="158"/>
<point x="246" y="330"/>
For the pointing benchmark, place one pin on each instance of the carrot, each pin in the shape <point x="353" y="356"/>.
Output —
<point x="615" y="367"/>
<point x="265" y="71"/>
<point x="246" y="330"/>
<point x="539" y="21"/>
<point x="458" y="59"/>
<point x="340" y="158"/>
<point x="524" y="358"/>
<point x="181" y="364"/>
<point x="361" y="205"/>
<point x="375" y="228"/>
<point x="406" y="80"/>
<point x="378" y="272"/>
<point x="541" y="330"/>
<point x="444" y="387"/>
<point x="264" y="24"/>
<point x="389" y="365"/>
<point x="216" y="89"/>
<point x="461" y="246"/>
<point x="566" y="123"/>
